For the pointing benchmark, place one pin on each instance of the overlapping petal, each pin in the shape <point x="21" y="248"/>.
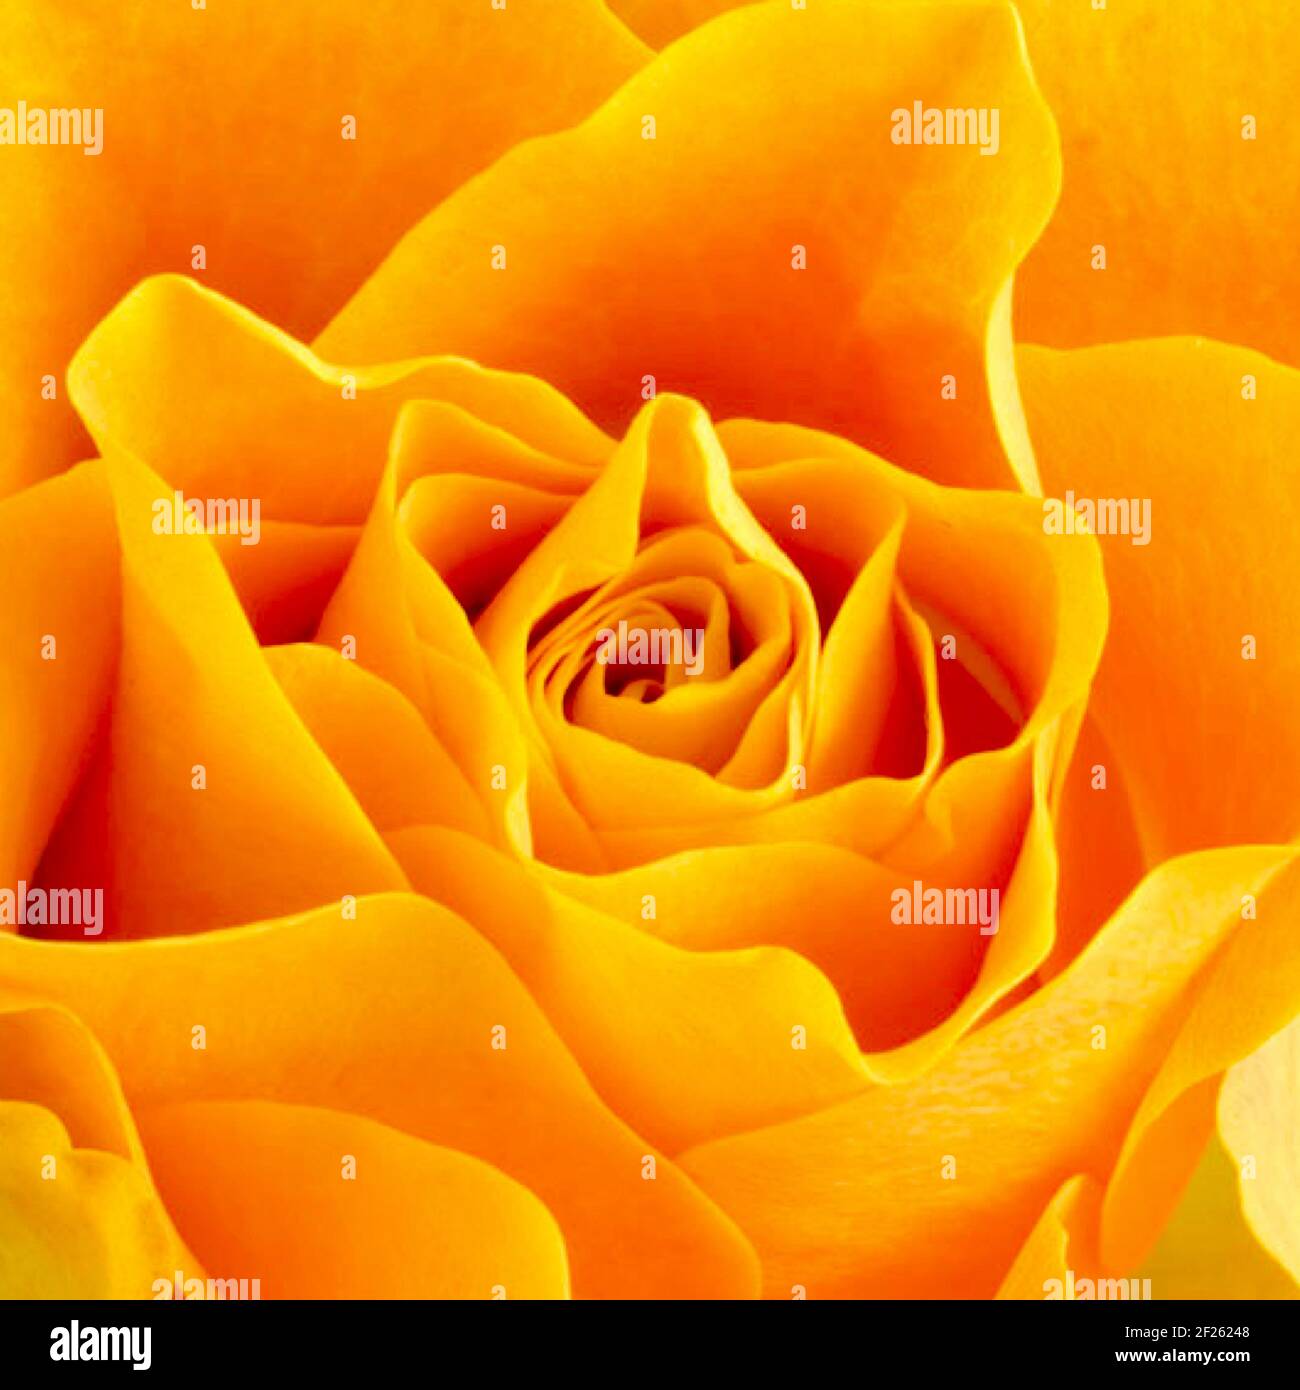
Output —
<point x="931" y="1188"/>
<point x="80" y="1214"/>
<point x="588" y="790"/>
<point x="1252" y="993"/>
<point x="602" y="258"/>
<point x="1177" y="136"/>
<point x="206" y="800"/>
<point x="403" y="1015"/>
<point x="685" y="1045"/>
<point x="222" y="403"/>
<point x="1057" y="1248"/>
<point x="223" y="128"/>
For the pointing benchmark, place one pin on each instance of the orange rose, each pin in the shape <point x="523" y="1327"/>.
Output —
<point x="664" y="752"/>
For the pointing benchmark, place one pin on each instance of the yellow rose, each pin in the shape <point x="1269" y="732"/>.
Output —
<point x="583" y="718"/>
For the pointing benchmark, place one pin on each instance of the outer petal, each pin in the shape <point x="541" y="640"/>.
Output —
<point x="1197" y="220"/>
<point x="1252" y="992"/>
<point x="79" y="1217"/>
<point x="267" y="1191"/>
<point x="1198" y="223"/>
<point x="1207" y="1250"/>
<point x="267" y="826"/>
<point x="392" y="1016"/>
<point x="1204" y="737"/>
<point x="673" y="257"/>
<point x="222" y="127"/>
<point x="854" y="1201"/>
<point x="1259" y="1117"/>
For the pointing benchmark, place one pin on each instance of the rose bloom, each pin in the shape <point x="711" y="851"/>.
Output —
<point x="618" y="682"/>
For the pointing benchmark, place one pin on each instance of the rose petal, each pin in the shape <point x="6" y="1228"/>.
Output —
<point x="1056" y="1247"/>
<point x="456" y="475"/>
<point x="223" y="127"/>
<point x="852" y="1202"/>
<point x="1207" y="1250"/>
<point x="1045" y="652"/>
<point x="1252" y="992"/>
<point x="271" y="828"/>
<point x="369" y="731"/>
<point x="1100" y="856"/>
<point x="908" y="991"/>
<point x="58" y="635"/>
<point x="1197" y="222"/>
<point x="1189" y="722"/>
<point x="407" y="628"/>
<point x="222" y="403"/>
<point x="660" y="21"/>
<point x="260" y="1191"/>
<point x="859" y="671"/>
<point x="672" y="257"/>
<point x="738" y="1038"/>
<point x="669" y="471"/>
<point x="49" y="1059"/>
<point x="1210" y="254"/>
<point x="391" y="1016"/>
<point x="1259" y="1117"/>
<point x="79" y="1216"/>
